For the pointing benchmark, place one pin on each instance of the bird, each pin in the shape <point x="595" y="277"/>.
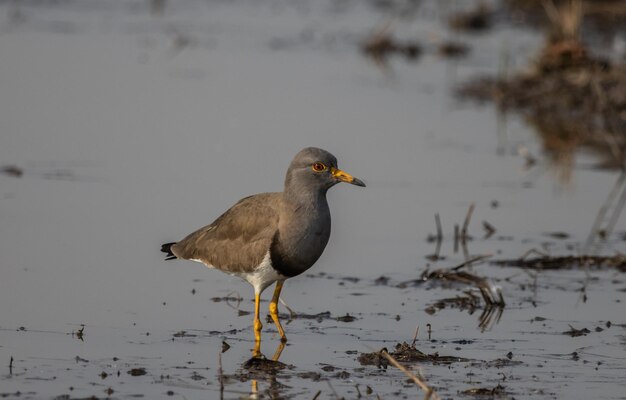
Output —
<point x="268" y="238"/>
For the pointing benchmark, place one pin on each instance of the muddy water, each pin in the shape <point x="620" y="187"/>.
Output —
<point x="133" y="126"/>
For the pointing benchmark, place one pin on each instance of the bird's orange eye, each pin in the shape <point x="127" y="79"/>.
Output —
<point x="318" y="167"/>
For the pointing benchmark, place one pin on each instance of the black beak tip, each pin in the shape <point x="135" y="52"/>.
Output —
<point x="358" y="182"/>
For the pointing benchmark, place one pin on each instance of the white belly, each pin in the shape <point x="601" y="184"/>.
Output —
<point x="262" y="277"/>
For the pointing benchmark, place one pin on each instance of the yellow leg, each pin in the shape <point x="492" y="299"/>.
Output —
<point x="274" y="310"/>
<point x="257" y="325"/>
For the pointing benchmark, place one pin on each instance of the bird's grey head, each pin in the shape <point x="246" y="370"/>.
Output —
<point x="315" y="170"/>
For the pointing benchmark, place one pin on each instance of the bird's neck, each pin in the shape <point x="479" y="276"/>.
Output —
<point x="300" y="210"/>
<point x="294" y="199"/>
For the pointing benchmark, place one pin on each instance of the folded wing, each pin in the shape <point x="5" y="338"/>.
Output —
<point x="239" y="239"/>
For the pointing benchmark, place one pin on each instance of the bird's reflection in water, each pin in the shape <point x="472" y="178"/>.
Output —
<point x="260" y="369"/>
<point x="265" y="369"/>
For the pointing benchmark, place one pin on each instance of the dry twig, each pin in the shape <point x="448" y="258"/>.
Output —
<point x="429" y="392"/>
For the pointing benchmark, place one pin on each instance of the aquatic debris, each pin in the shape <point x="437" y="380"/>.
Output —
<point x="494" y="392"/>
<point x="228" y="332"/>
<point x="491" y="293"/>
<point x="196" y="376"/>
<point x="572" y="98"/>
<point x="182" y="334"/>
<point x="380" y="48"/>
<point x="342" y="375"/>
<point x="346" y="318"/>
<point x="12" y="170"/>
<point x="546" y="262"/>
<point x="80" y="333"/>
<point x="573" y="332"/>
<point x="405" y="352"/>
<point x="497" y="363"/>
<point x="380" y="45"/>
<point x="264" y="365"/>
<point x="451" y="49"/>
<point x="468" y="302"/>
<point x="489" y="230"/>
<point x="558" y="235"/>
<point x="137" y="372"/>
<point x="313" y="376"/>
<point x="319" y="317"/>
<point x="225" y="298"/>
<point x="381" y="281"/>
<point x="476" y="20"/>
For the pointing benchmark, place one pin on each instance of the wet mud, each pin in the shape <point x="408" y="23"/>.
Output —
<point x="405" y="352"/>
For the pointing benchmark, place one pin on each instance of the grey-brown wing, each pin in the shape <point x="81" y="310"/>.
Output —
<point x="239" y="239"/>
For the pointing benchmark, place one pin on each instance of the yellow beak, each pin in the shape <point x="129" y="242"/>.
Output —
<point x="345" y="177"/>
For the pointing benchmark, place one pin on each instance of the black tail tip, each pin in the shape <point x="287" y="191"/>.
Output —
<point x="167" y="249"/>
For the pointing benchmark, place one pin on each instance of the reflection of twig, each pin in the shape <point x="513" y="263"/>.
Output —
<point x="332" y="389"/>
<point x="220" y="374"/>
<point x="439" y="239"/>
<point x="465" y="250"/>
<point x="616" y="211"/>
<point x="470" y="210"/>
<point x="607" y="109"/>
<point x="429" y="392"/>
<point x="464" y="236"/>
<point x="490" y="316"/>
<point x="439" y="230"/>
<point x="596" y="229"/>
<point x="534" y="284"/>
<point x="11" y="366"/>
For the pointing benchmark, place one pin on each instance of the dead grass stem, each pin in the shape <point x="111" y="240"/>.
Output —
<point x="429" y="392"/>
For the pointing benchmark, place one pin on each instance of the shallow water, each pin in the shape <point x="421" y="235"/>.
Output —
<point x="133" y="128"/>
